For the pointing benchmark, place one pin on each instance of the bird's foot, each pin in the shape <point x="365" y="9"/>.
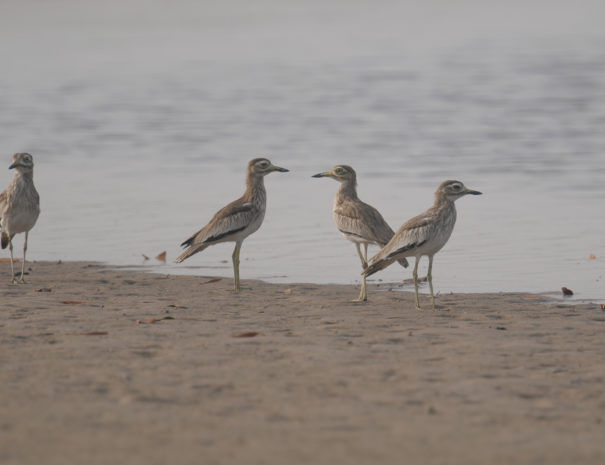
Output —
<point x="242" y="288"/>
<point x="360" y="300"/>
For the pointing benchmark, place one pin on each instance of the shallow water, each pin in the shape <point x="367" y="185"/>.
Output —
<point x="142" y="126"/>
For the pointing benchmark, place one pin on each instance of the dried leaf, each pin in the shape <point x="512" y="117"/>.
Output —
<point x="94" y="333"/>
<point x="76" y="302"/>
<point x="532" y="297"/>
<point x="8" y="260"/>
<point x="288" y="291"/>
<point x="152" y="321"/>
<point x="566" y="291"/>
<point x="161" y="257"/>
<point x="44" y="289"/>
<point x="592" y="257"/>
<point x="213" y="280"/>
<point x="247" y="334"/>
<point x="602" y="306"/>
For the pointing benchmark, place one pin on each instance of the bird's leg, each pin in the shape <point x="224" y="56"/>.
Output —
<point x="10" y="246"/>
<point x="235" y="258"/>
<point x="22" y="280"/>
<point x="365" y="265"/>
<point x="429" y="275"/>
<point x="364" y="260"/>
<point x="363" y="295"/>
<point x="415" y="274"/>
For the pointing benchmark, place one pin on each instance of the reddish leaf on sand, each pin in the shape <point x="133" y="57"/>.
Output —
<point x="532" y="297"/>
<point x="213" y="280"/>
<point x="76" y="302"/>
<point x="247" y="334"/>
<point x="94" y="333"/>
<point x="152" y="321"/>
<point x="592" y="257"/>
<point x="8" y="260"/>
<point x="161" y="257"/>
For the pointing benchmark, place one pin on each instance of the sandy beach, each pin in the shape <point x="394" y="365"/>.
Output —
<point x="102" y="365"/>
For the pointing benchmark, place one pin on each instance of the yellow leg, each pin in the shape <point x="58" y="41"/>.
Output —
<point x="415" y="274"/>
<point x="430" y="278"/>
<point x="235" y="258"/>
<point x="364" y="260"/>
<point x="10" y="246"/>
<point x="363" y="294"/>
<point x="22" y="280"/>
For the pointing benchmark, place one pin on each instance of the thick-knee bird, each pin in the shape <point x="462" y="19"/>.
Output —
<point x="237" y="220"/>
<point x="358" y="222"/>
<point x="19" y="207"/>
<point x="424" y="234"/>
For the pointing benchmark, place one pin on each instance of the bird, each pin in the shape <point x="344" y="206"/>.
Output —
<point x="236" y="221"/>
<point x="19" y="207"/>
<point x="358" y="222"/>
<point x="424" y="234"/>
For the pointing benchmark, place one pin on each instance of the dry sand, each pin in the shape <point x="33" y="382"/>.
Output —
<point x="485" y="379"/>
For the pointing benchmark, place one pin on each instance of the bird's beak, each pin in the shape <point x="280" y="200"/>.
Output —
<point x="14" y="165"/>
<point x="323" y="175"/>
<point x="279" y="168"/>
<point x="468" y="191"/>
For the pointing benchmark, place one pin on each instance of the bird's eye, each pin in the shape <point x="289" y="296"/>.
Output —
<point x="340" y="171"/>
<point x="263" y="165"/>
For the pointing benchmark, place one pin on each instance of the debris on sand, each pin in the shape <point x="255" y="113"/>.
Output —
<point x="566" y="292"/>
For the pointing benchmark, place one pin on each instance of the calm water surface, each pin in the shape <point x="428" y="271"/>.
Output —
<point x="142" y="129"/>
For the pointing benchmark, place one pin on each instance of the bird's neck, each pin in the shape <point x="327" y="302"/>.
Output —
<point x="443" y="204"/>
<point x="347" y="190"/>
<point x="26" y="176"/>
<point x="255" y="190"/>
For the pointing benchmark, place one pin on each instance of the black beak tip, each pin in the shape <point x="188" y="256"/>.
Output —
<point x="318" y="175"/>
<point x="476" y="193"/>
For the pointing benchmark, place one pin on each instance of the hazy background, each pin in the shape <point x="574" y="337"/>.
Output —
<point x="142" y="116"/>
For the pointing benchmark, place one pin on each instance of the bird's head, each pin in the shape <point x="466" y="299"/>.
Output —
<point x="22" y="162"/>
<point x="453" y="190"/>
<point x="342" y="173"/>
<point x="262" y="167"/>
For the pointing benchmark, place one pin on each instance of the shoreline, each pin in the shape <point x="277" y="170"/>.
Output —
<point x="107" y="365"/>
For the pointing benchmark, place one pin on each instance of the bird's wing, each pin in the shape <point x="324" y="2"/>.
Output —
<point x="410" y="236"/>
<point x="3" y="198"/>
<point x="229" y="220"/>
<point x="363" y="221"/>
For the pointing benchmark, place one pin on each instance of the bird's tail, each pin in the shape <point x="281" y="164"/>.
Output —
<point x="403" y="262"/>
<point x="5" y="240"/>
<point x="190" y="251"/>
<point x="378" y="265"/>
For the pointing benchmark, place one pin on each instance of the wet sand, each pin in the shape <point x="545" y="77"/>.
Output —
<point x="146" y="369"/>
